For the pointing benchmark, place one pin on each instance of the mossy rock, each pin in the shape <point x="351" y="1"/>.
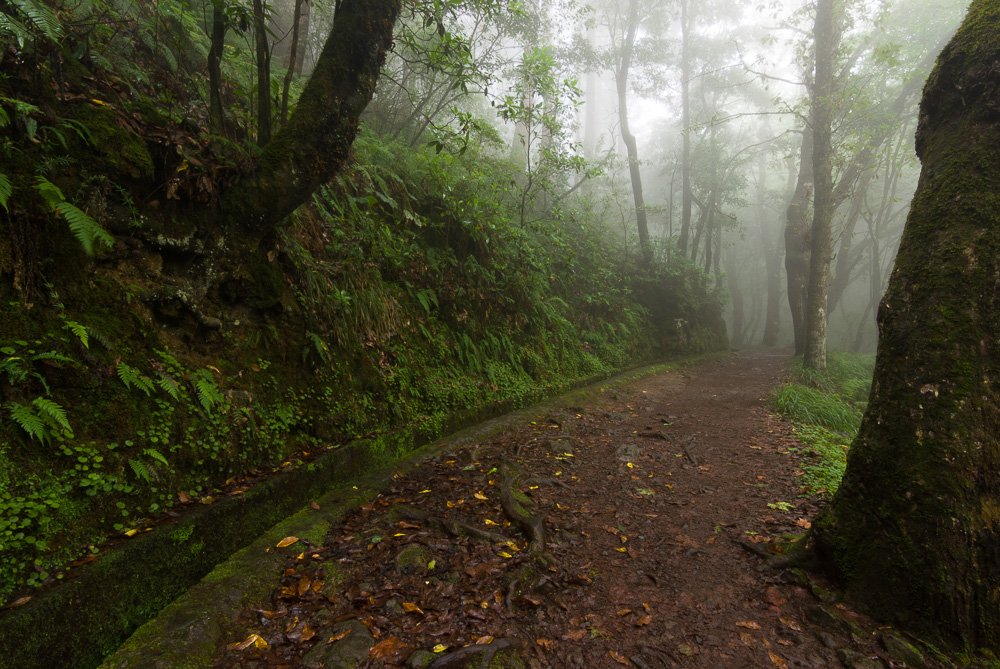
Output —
<point x="413" y="558"/>
<point x="123" y="152"/>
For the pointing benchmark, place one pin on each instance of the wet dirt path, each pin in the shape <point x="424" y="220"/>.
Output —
<point x="645" y="492"/>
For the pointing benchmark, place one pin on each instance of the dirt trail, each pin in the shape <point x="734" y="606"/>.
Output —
<point x="645" y="492"/>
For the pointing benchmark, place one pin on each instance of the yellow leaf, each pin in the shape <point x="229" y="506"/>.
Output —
<point x="621" y="550"/>
<point x="483" y="640"/>
<point x="411" y="608"/>
<point x="423" y="491"/>
<point x="547" y="644"/>
<point x="131" y="533"/>
<point x="440" y="648"/>
<point x="287" y="541"/>
<point x="630" y="465"/>
<point x="480" y="495"/>
<point x="254" y="640"/>
<point x="505" y="554"/>
<point x="399" y="534"/>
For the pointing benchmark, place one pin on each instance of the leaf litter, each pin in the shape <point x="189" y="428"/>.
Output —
<point x="440" y="562"/>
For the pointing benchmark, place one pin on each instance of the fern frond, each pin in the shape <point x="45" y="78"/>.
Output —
<point x="26" y="418"/>
<point x="43" y="18"/>
<point x="52" y="413"/>
<point x="5" y="191"/>
<point x="169" y="386"/>
<point x="131" y="377"/>
<point x="85" y="229"/>
<point x="80" y="331"/>
<point x="140" y="469"/>
<point x="208" y="392"/>
<point x="156" y="455"/>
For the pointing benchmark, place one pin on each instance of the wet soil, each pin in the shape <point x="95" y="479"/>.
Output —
<point x="650" y="496"/>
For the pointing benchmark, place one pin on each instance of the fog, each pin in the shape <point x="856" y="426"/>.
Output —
<point x="708" y="102"/>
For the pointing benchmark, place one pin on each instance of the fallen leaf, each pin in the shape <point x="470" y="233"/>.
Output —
<point x="131" y="533"/>
<point x="749" y="625"/>
<point x="403" y="525"/>
<point x="774" y="597"/>
<point x="18" y="602"/>
<point x="480" y="495"/>
<point x="287" y="541"/>
<point x="527" y="599"/>
<point x="786" y="642"/>
<point x="391" y="650"/>
<point x="645" y="620"/>
<point x="314" y="506"/>
<point x="547" y="644"/>
<point x="412" y="608"/>
<point x="303" y="585"/>
<point x="803" y="523"/>
<point x="484" y="640"/>
<point x="620" y="659"/>
<point x="791" y="624"/>
<point x="574" y="636"/>
<point x="183" y="497"/>
<point x="622" y="550"/>
<point x="338" y="637"/>
<point x="624" y="612"/>
<point x="748" y="640"/>
<point x="685" y="649"/>
<point x="440" y="648"/>
<point x="253" y="639"/>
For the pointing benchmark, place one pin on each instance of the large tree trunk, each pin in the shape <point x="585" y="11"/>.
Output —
<point x="293" y="59"/>
<point x="315" y="143"/>
<point x="217" y="118"/>
<point x="263" y="73"/>
<point x="630" y="146"/>
<point x="821" y="243"/>
<point x="797" y="236"/>
<point x="913" y="530"/>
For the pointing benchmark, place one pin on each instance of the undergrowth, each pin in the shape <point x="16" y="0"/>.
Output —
<point x="826" y="407"/>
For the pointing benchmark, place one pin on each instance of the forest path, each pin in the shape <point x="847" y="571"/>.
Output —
<point x="645" y="490"/>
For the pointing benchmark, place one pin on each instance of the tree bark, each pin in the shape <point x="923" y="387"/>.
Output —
<point x="621" y="80"/>
<point x="293" y="58"/>
<point x="797" y="241"/>
<point x="682" y="242"/>
<point x="914" y="530"/>
<point x="317" y="139"/>
<point x="263" y="74"/>
<point x="216" y="113"/>
<point x="821" y="243"/>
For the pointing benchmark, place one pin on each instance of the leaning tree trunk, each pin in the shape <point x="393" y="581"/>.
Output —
<point x="630" y="145"/>
<point x="914" y="530"/>
<point x="315" y="143"/>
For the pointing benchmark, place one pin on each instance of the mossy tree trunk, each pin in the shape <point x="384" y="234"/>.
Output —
<point x="913" y="530"/>
<point x="316" y="141"/>
<point x="621" y="82"/>
<point x="797" y="236"/>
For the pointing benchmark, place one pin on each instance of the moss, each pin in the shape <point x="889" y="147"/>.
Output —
<point x="122" y="152"/>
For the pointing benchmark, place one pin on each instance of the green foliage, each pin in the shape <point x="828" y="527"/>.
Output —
<point x="206" y="388"/>
<point x="86" y="230"/>
<point x="6" y="189"/>
<point x="828" y="406"/>
<point x="131" y="377"/>
<point x="42" y="420"/>
<point x="23" y="19"/>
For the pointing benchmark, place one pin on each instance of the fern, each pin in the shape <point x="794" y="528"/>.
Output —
<point x="427" y="298"/>
<point x="26" y="418"/>
<point x="156" y="455"/>
<point x="84" y="228"/>
<point x="41" y="17"/>
<point x="80" y="331"/>
<point x="5" y="191"/>
<point x="208" y="392"/>
<point x="53" y="414"/>
<point x="169" y="386"/>
<point x="131" y="377"/>
<point x="140" y="469"/>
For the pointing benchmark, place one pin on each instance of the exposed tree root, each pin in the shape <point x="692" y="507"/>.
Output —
<point x="460" y="658"/>
<point x="799" y="552"/>
<point x="515" y="505"/>
<point x="455" y="528"/>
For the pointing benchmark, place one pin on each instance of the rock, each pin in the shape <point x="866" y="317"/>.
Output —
<point x="827" y="640"/>
<point x="832" y="621"/>
<point x="420" y="659"/>
<point x="627" y="452"/>
<point x="899" y="648"/>
<point x="413" y="559"/>
<point x="347" y="653"/>
<point x="852" y="659"/>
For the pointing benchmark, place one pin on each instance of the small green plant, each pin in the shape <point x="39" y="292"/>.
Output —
<point x="86" y="230"/>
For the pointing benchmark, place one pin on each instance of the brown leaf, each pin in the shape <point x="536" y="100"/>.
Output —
<point x="624" y="612"/>
<point x="803" y="523"/>
<point x="287" y="541"/>
<point x="574" y="636"/>
<point x="412" y="608"/>
<point x="749" y="625"/>
<point x="774" y="597"/>
<point x="791" y="624"/>
<point x="303" y="585"/>
<point x="391" y="650"/>
<point x="484" y="640"/>
<point x="408" y="526"/>
<point x="620" y="659"/>
<point x="527" y="599"/>
<point x="254" y="640"/>
<point x="547" y="644"/>
<point x="183" y="497"/>
<point x="338" y="637"/>
<point x="314" y="506"/>
<point x="645" y="620"/>
<point x="748" y="640"/>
